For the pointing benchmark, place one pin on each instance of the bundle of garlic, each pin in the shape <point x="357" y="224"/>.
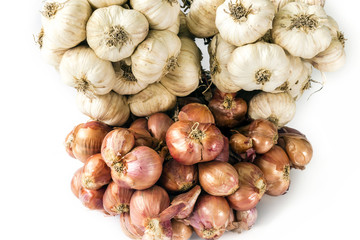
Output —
<point x="100" y="46"/>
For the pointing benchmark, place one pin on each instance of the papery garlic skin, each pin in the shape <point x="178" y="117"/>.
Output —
<point x="301" y="29"/>
<point x="114" y="32"/>
<point x="176" y="26"/>
<point x="313" y="2"/>
<point x="126" y="83"/>
<point x="201" y="18"/>
<point x="278" y="108"/>
<point x="244" y="21"/>
<point x="333" y="58"/>
<point x="154" y="98"/>
<point x="281" y="3"/>
<point x="110" y="108"/>
<point x="299" y="79"/>
<point x="160" y="14"/>
<point x="105" y="3"/>
<point x="82" y="69"/>
<point x="185" y="77"/>
<point x="220" y="52"/>
<point x="64" y="22"/>
<point x="155" y="56"/>
<point x="259" y="66"/>
<point x="278" y="4"/>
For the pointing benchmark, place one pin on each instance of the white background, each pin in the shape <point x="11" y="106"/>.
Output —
<point x="38" y="110"/>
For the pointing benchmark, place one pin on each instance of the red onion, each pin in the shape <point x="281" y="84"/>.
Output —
<point x="144" y="138"/>
<point x="116" y="145"/>
<point x="210" y="216"/>
<point x="190" y="142"/>
<point x="141" y="123"/>
<point x="128" y="228"/>
<point x="76" y="182"/>
<point x="298" y="149"/>
<point x="225" y="152"/>
<point x="263" y="134"/>
<point x="252" y="187"/>
<point x="180" y="230"/>
<point x="145" y="209"/>
<point x="188" y="199"/>
<point x="228" y="110"/>
<point x="139" y="169"/>
<point x="177" y="177"/>
<point x="218" y="178"/>
<point x="92" y="199"/>
<point x="88" y="138"/>
<point x="239" y="143"/>
<point x="116" y="199"/>
<point x="196" y="112"/>
<point x="276" y="168"/>
<point x="95" y="173"/>
<point x="158" y="125"/>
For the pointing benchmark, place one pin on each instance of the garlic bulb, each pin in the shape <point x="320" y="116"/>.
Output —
<point x="176" y="26"/>
<point x="281" y="3"/>
<point x="161" y="14"/>
<point x="220" y="52"/>
<point x="82" y="69"/>
<point x="126" y="83"/>
<point x="184" y="79"/>
<point x="110" y="108"/>
<point x="278" y="108"/>
<point x="278" y="4"/>
<point x="183" y="29"/>
<point x="301" y="29"/>
<point x="105" y="3"/>
<point x="201" y="17"/>
<point x="244" y="21"/>
<point x="50" y="55"/>
<point x="114" y="32"/>
<point x="64" y="22"/>
<point x="333" y="58"/>
<point x="154" y="98"/>
<point x="259" y="66"/>
<point x="155" y="56"/>
<point x="299" y="78"/>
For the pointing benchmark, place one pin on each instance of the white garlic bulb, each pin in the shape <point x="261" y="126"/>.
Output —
<point x="110" y="108"/>
<point x="114" y="32"/>
<point x="333" y="58"/>
<point x="220" y="52"/>
<point x="244" y="21"/>
<point x="299" y="79"/>
<point x="259" y="66"/>
<point x="126" y="83"/>
<point x="50" y="55"/>
<point x="176" y="26"/>
<point x="155" y="98"/>
<point x="278" y="108"/>
<point x="105" y="3"/>
<point x="184" y="78"/>
<point x="161" y="14"/>
<point x="155" y="56"/>
<point x="301" y="29"/>
<point x="281" y="3"/>
<point x="82" y="69"/>
<point x="65" y="22"/>
<point x="201" y="17"/>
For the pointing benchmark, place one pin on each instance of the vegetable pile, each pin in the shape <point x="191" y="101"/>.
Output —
<point x="171" y="148"/>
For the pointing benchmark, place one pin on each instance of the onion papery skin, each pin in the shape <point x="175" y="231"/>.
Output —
<point x="196" y="112"/>
<point x="139" y="169"/>
<point x="116" y="145"/>
<point x="116" y="199"/>
<point x="88" y="138"/>
<point x="275" y="165"/>
<point x="193" y="142"/>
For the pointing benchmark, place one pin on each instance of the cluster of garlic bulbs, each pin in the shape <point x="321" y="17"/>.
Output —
<point x="121" y="56"/>
<point x="268" y="45"/>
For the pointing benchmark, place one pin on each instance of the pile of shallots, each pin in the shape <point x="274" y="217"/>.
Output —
<point x="205" y="172"/>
